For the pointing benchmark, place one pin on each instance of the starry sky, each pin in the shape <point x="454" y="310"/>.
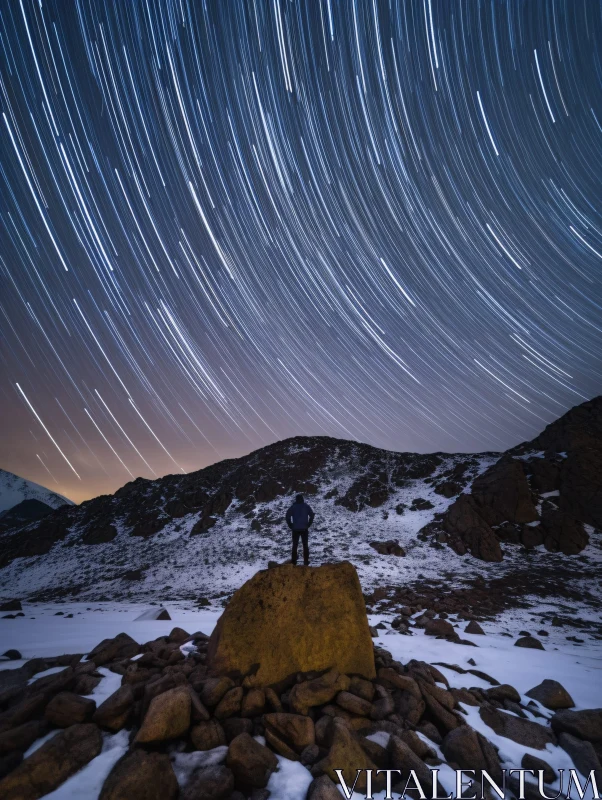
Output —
<point x="228" y="222"/>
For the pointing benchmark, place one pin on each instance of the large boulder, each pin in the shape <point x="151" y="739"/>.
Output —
<point x="294" y="619"/>
<point x="121" y="646"/>
<point x="114" y="713"/>
<point x="141" y="776"/>
<point x="502" y="493"/>
<point x="464" y="521"/>
<point x="346" y="754"/>
<point x="52" y="763"/>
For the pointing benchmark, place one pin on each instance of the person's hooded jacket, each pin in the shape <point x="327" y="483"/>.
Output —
<point x="300" y="515"/>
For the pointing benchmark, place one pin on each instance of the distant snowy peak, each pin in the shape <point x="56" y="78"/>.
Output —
<point x="13" y="490"/>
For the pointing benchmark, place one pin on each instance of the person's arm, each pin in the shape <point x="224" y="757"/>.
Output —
<point x="289" y="517"/>
<point x="311" y="514"/>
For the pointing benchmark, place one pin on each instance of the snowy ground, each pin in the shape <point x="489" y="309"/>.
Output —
<point x="578" y="667"/>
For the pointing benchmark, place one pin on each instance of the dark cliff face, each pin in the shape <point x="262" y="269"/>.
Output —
<point x="542" y="492"/>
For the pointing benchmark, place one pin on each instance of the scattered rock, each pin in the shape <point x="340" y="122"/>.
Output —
<point x="317" y="692"/>
<point x="251" y="763"/>
<point x="586" y="724"/>
<point x="113" y="714"/>
<point x="388" y="548"/>
<point x="474" y="627"/>
<point x="67" y="708"/>
<point x="530" y="642"/>
<point x="323" y="788"/>
<point x="523" y="731"/>
<point x="52" y="763"/>
<point x="439" y="627"/>
<point x="168" y="717"/>
<point x="534" y="763"/>
<point x="21" y="737"/>
<point x="141" y="776"/>
<point x="11" y="605"/>
<point x="12" y="655"/>
<point x="210" y="783"/>
<point x="295" y="730"/>
<point x="583" y="754"/>
<point x="122" y="646"/>
<point x="552" y="695"/>
<point x="208" y="735"/>
<point x="346" y="754"/>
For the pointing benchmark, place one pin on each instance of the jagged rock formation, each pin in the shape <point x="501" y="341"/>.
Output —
<point x="542" y="492"/>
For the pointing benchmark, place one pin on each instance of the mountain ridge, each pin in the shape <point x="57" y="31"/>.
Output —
<point x="227" y="519"/>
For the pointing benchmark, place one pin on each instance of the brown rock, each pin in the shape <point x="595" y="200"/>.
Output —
<point x="208" y="735"/>
<point x="362" y="688"/>
<point x="210" y="783"/>
<point x="317" y="692"/>
<point x="439" y="627"/>
<point x="323" y="788"/>
<point x="393" y="680"/>
<point x="273" y="700"/>
<point x="580" y="495"/>
<point x="583" y="754"/>
<point x="464" y="747"/>
<point x="418" y="745"/>
<point x="503" y="692"/>
<point x="388" y="548"/>
<point x="409" y="707"/>
<point x="214" y="689"/>
<point x="523" y="731"/>
<point x="552" y="695"/>
<point x="295" y="730"/>
<point x="529" y="642"/>
<point x="10" y="762"/>
<point x="251" y="763"/>
<point x="52" y="763"/>
<point x="474" y="627"/>
<point x="21" y="737"/>
<point x="23" y="711"/>
<point x="446" y="720"/>
<point x="234" y="726"/>
<point x="586" y="724"/>
<point x="168" y="717"/>
<point x="230" y="704"/>
<point x="113" y="714"/>
<point x="121" y="646"/>
<point x="404" y="758"/>
<point x="253" y="703"/>
<point x="354" y="704"/>
<point x="141" y="776"/>
<point x="178" y="635"/>
<point x="323" y="605"/>
<point x="346" y="754"/>
<point x="536" y="764"/>
<point x="67" y="708"/>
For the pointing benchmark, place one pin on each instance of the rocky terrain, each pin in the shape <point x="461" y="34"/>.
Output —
<point x="477" y="533"/>
<point x="23" y="502"/>
<point x="184" y="716"/>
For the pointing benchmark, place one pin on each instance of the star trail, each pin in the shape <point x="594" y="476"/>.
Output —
<point x="226" y="223"/>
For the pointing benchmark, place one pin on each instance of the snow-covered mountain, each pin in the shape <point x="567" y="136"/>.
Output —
<point x="14" y="490"/>
<point x="520" y="519"/>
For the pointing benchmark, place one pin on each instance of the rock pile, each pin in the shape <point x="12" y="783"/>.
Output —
<point x="177" y="698"/>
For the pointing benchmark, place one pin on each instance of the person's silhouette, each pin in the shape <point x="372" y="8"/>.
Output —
<point x="299" y="517"/>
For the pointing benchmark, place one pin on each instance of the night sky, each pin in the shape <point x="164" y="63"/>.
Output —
<point x="226" y="223"/>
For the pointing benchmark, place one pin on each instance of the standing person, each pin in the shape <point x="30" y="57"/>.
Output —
<point x="299" y="517"/>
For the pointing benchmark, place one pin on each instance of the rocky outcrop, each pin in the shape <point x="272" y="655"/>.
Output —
<point x="560" y="471"/>
<point x="324" y="608"/>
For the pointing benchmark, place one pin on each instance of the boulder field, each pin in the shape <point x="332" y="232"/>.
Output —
<point x="290" y="672"/>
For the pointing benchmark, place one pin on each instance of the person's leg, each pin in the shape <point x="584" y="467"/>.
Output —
<point x="305" y="539"/>
<point x="295" y="546"/>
